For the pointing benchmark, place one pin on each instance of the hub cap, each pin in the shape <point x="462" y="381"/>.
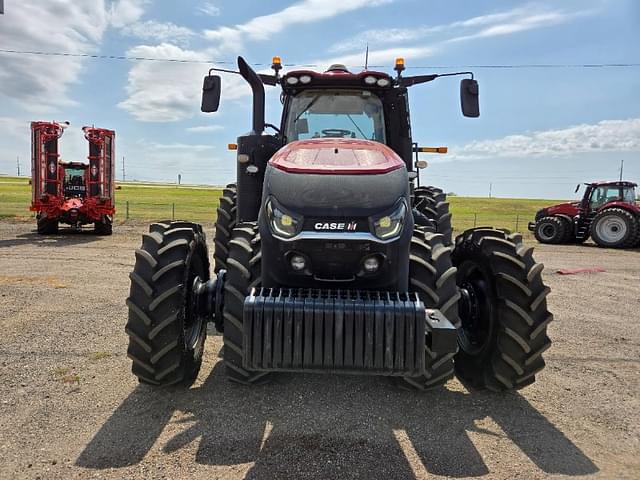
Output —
<point x="611" y="229"/>
<point x="547" y="231"/>
<point x="475" y="311"/>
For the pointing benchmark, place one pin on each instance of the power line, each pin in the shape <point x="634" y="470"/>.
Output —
<point x="294" y="64"/>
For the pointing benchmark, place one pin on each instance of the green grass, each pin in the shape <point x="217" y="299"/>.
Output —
<point x="153" y="202"/>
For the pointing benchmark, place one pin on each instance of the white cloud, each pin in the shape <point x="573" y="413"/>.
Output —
<point x="159" y="31"/>
<point x="528" y="17"/>
<point x="161" y="92"/>
<point x="41" y="82"/>
<point x="125" y="12"/>
<point x="209" y="8"/>
<point x="604" y="136"/>
<point x="205" y="128"/>
<point x="167" y="92"/>
<point x="263" y="27"/>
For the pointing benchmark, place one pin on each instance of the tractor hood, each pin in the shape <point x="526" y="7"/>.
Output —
<point x="340" y="156"/>
<point x="570" y="209"/>
<point x="336" y="177"/>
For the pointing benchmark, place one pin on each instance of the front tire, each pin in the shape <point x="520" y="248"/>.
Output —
<point x="104" y="226"/>
<point x="503" y="311"/>
<point x="166" y="338"/>
<point x="554" y="230"/>
<point x="47" y="226"/>
<point x="225" y="223"/>
<point x="615" y="228"/>
<point x="243" y="274"/>
<point x="432" y="203"/>
<point x="433" y="277"/>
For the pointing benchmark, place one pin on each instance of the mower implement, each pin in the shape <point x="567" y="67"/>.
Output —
<point x="74" y="193"/>
<point x="331" y="257"/>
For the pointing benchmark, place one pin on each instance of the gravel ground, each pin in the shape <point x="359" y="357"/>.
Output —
<point x="70" y="407"/>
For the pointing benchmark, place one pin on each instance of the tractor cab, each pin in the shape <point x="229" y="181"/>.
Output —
<point x="599" y="194"/>
<point x="74" y="182"/>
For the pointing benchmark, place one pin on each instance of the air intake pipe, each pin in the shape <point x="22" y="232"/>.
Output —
<point x="257" y="88"/>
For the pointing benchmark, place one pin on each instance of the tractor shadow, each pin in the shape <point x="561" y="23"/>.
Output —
<point x="328" y="427"/>
<point x="65" y="237"/>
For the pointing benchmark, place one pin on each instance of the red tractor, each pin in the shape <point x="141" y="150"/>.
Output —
<point x="74" y="193"/>
<point x="608" y="212"/>
<point x="330" y="258"/>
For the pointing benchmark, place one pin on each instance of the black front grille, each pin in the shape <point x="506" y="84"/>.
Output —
<point x="348" y="331"/>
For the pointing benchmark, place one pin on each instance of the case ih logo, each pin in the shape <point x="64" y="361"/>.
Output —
<point x="349" y="226"/>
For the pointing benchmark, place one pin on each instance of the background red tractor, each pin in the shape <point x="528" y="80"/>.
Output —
<point x="74" y="193"/>
<point x="608" y="212"/>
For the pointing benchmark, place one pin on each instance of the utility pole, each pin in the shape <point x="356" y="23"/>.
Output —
<point x="18" y="163"/>
<point x="490" y="189"/>
<point x="123" y="175"/>
<point x="621" y="168"/>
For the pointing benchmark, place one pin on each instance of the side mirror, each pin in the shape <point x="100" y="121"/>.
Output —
<point x="302" y="126"/>
<point x="211" y="94"/>
<point x="469" y="95"/>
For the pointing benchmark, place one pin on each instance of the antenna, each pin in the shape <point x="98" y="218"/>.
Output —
<point x="366" y="58"/>
<point x="18" y="162"/>
<point x="621" y="168"/>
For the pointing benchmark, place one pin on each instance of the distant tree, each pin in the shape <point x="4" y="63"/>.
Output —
<point x="452" y="194"/>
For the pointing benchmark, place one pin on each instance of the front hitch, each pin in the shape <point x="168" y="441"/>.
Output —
<point x="207" y="299"/>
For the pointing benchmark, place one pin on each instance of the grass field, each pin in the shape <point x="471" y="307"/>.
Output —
<point x="153" y="202"/>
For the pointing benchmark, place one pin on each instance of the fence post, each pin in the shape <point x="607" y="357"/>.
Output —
<point x="517" y="221"/>
<point x="475" y="220"/>
<point x="173" y="211"/>
<point x="126" y="215"/>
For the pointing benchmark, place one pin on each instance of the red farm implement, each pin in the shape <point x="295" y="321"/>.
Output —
<point x="73" y="193"/>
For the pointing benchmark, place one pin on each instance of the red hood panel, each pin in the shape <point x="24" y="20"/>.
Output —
<point x="336" y="155"/>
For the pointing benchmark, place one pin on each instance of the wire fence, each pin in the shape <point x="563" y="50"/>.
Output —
<point x="129" y="211"/>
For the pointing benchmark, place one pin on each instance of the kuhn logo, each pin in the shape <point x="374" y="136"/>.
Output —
<point x="349" y="226"/>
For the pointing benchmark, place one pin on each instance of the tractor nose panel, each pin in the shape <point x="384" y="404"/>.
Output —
<point x="336" y="156"/>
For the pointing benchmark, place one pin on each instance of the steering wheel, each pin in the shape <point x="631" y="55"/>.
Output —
<point x="336" y="132"/>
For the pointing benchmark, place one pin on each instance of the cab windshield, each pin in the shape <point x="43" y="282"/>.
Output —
<point x="606" y="194"/>
<point x="335" y="114"/>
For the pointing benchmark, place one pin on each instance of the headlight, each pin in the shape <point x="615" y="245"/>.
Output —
<point x="389" y="226"/>
<point x="369" y="80"/>
<point x="305" y="79"/>
<point x="292" y="80"/>
<point x="383" y="82"/>
<point x="282" y="224"/>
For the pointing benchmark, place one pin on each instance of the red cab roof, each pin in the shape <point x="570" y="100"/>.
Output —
<point x="336" y="155"/>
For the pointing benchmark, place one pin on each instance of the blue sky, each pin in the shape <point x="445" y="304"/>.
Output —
<point x="541" y="131"/>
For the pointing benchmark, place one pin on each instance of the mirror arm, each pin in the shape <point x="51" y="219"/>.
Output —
<point x="409" y="81"/>
<point x="266" y="79"/>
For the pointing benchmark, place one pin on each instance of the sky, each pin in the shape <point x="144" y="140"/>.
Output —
<point x="541" y="130"/>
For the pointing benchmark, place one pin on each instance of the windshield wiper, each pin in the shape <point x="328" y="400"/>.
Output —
<point x="313" y="100"/>
<point x="356" y="125"/>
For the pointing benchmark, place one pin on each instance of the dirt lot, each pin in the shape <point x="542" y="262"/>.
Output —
<point x="70" y="408"/>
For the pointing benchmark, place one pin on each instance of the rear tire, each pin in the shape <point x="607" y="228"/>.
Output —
<point x="47" y="226"/>
<point x="243" y="274"/>
<point x="503" y="311"/>
<point x="166" y="340"/>
<point x="615" y="228"/>
<point x="225" y="223"/>
<point x="104" y="226"/>
<point x="433" y="277"/>
<point x="554" y="230"/>
<point x="432" y="202"/>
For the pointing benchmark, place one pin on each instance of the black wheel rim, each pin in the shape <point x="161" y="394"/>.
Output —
<point x="548" y="231"/>
<point x="192" y="323"/>
<point x="475" y="309"/>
